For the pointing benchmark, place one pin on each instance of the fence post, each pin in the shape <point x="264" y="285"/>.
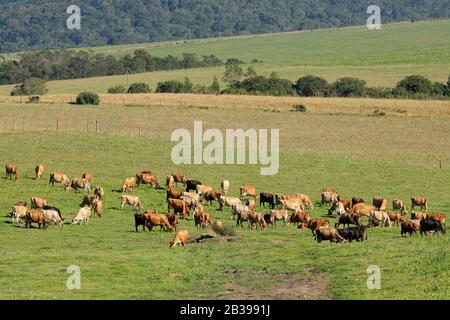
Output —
<point x="97" y="126"/>
<point x="440" y="164"/>
<point x="57" y="125"/>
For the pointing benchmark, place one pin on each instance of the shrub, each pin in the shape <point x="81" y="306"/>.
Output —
<point x="300" y="108"/>
<point x="89" y="98"/>
<point x="439" y="90"/>
<point x="139" y="87"/>
<point x="312" y="86"/>
<point x="224" y="231"/>
<point x="117" y="89"/>
<point x="349" y="87"/>
<point x="215" y="86"/>
<point x="379" y="92"/>
<point x="170" y="86"/>
<point x="31" y="86"/>
<point x="413" y="85"/>
<point x="261" y="85"/>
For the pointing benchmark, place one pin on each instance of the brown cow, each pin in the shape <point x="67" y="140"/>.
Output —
<point x="395" y="217"/>
<point x="56" y="177"/>
<point x="211" y="196"/>
<point x="242" y="216"/>
<point x="37" y="202"/>
<point x="255" y="219"/>
<point x="170" y="181"/>
<point x="77" y="184"/>
<point x="145" y="178"/>
<point x="130" y="200"/>
<point x="362" y="209"/>
<point x="202" y="219"/>
<point x="314" y="224"/>
<point x="440" y="217"/>
<point x="173" y="220"/>
<point x="247" y="191"/>
<point x="173" y="193"/>
<point x="300" y="217"/>
<point x="276" y="215"/>
<point x="328" y="234"/>
<point x="408" y="227"/>
<point x="36" y="216"/>
<point x="87" y="176"/>
<point x="356" y="200"/>
<point x="128" y="184"/>
<point x="419" y="201"/>
<point x="341" y="207"/>
<point x="399" y="205"/>
<point x="39" y="170"/>
<point x="179" y="178"/>
<point x="12" y="171"/>
<point x="154" y="219"/>
<point x="329" y="196"/>
<point x="202" y="188"/>
<point x="181" y="237"/>
<point x="98" y="208"/>
<point x="179" y="206"/>
<point x="380" y="203"/>
<point x="418" y="215"/>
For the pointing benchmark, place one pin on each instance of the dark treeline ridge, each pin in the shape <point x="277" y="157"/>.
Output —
<point x="65" y="64"/>
<point x="41" y="25"/>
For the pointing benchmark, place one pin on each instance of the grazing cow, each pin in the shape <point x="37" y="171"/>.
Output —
<point x="399" y="205"/>
<point x="87" y="176"/>
<point x="225" y="186"/>
<point x="154" y="219"/>
<point x="266" y="197"/>
<point x="99" y="192"/>
<point x="145" y="178"/>
<point x="228" y="201"/>
<point x="340" y="207"/>
<point x="255" y="219"/>
<point x="128" y="184"/>
<point x="56" y="177"/>
<point x="211" y="196"/>
<point x="395" y="217"/>
<point x="202" y="219"/>
<point x="139" y="220"/>
<point x="247" y="191"/>
<point x="329" y="196"/>
<point x="98" y="208"/>
<point x="173" y="220"/>
<point x="362" y="209"/>
<point x="18" y="213"/>
<point x="39" y="170"/>
<point x="293" y="205"/>
<point x="191" y="185"/>
<point x="88" y="200"/>
<point x="437" y="217"/>
<point x="251" y="204"/>
<point x="191" y="198"/>
<point x="418" y="215"/>
<point x="276" y="215"/>
<point x="37" y="202"/>
<point x="237" y="209"/>
<point x="36" y="216"/>
<point x="380" y="217"/>
<point x="179" y="206"/>
<point x="82" y="216"/>
<point x="305" y="200"/>
<point x="77" y="184"/>
<point x="427" y="226"/>
<point x="380" y="203"/>
<point x="348" y="219"/>
<point x="203" y="188"/>
<point x="420" y="201"/>
<point x="12" y="171"/>
<point x="179" y="178"/>
<point x="173" y="193"/>
<point x="181" y="237"/>
<point x="242" y="216"/>
<point x="21" y="203"/>
<point x="356" y="200"/>
<point x="130" y="200"/>
<point x="314" y="224"/>
<point x="170" y="181"/>
<point x="300" y="217"/>
<point x="354" y="233"/>
<point x="408" y="227"/>
<point x="328" y="234"/>
<point x="54" y="215"/>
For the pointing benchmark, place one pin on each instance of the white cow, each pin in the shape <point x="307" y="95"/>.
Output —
<point x="54" y="216"/>
<point x="225" y="186"/>
<point x="82" y="215"/>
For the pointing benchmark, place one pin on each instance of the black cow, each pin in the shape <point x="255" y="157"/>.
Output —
<point x="354" y="233"/>
<point x="139" y="220"/>
<point x="266" y="197"/>
<point x="192" y="185"/>
<point x="348" y="219"/>
<point x="431" y="225"/>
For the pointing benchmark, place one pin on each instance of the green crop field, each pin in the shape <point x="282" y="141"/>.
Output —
<point x="381" y="57"/>
<point x="355" y="154"/>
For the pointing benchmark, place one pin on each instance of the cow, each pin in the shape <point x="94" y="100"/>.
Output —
<point x="36" y="216"/>
<point x="202" y="188"/>
<point x="380" y="203"/>
<point x="173" y="220"/>
<point x="328" y="234"/>
<point x="399" y="205"/>
<point x="130" y="200"/>
<point x="179" y="178"/>
<point x="362" y="209"/>
<point x="191" y="185"/>
<point x="87" y="176"/>
<point x="173" y="193"/>
<point x="276" y="215"/>
<point x="18" y="213"/>
<point x="88" y="200"/>
<point x="380" y="217"/>
<point x="99" y="192"/>
<point x="77" y="184"/>
<point x="305" y="200"/>
<point x="314" y="224"/>
<point x="329" y="196"/>
<point x="228" y="201"/>
<point x="408" y="227"/>
<point x="299" y="217"/>
<point x="247" y="191"/>
<point x="154" y="219"/>
<point x="356" y="200"/>
<point x="54" y="215"/>
<point x="340" y="207"/>
<point x="427" y="226"/>
<point x="395" y="217"/>
<point x="56" y="177"/>
<point x="354" y="233"/>
<point x="211" y="196"/>
<point x="82" y="216"/>
<point x="179" y="206"/>
<point x="128" y="184"/>
<point x="225" y="186"/>
<point x="98" y="208"/>
<point x="237" y="209"/>
<point x="293" y="205"/>
<point x="348" y="219"/>
<point x="251" y="204"/>
<point x="418" y="215"/>
<point x="181" y="237"/>
<point x="266" y="198"/>
<point x="39" y="171"/>
<point x="139" y="220"/>
<point x="419" y="201"/>
<point x="201" y="218"/>
<point x="255" y="219"/>
<point x="38" y="203"/>
<point x="145" y="178"/>
<point x="241" y="217"/>
<point x="437" y="217"/>
<point x="12" y="171"/>
<point x="170" y="181"/>
<point x="191" y="198"/>
<point x="21" y="203"/>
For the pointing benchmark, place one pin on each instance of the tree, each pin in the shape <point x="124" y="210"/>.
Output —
<point x="187" y="85"/>
<point x="251" y="72"/>
<point x="215" y="86"/>
<point x="31" y="86"/>
<point x="170" y="86"/>
<point x="312" y="86"/>
<point x="139" y="87"/>
<point x="349" y="87"/>
<point x="117" y="89"/>
<point x="233" y="73"/>
<point x="413" y="85"/>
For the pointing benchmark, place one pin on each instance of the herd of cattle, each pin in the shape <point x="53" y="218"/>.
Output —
<point x="289" y="209"/>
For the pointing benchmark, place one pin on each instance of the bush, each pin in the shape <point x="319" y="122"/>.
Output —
<point x="224" y="231"/>
<point x="439" y="90"/>
<point x="379" y="92"/>
<point x="312" y="86"/>
<point x="414" y="85"/>
<point x="31" y="86"/>
<point x="89" y="98"/>
<point x="349" y="87"/>
<point x="170" y="86"/>
<point x="139" y="87"/>
<point x="300" y="108"/>
<point x="117" y="89"/>
<point x="261" y="85"/>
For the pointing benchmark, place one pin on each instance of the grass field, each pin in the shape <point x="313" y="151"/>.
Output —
<point x="356" y="154"/>
<point x="381" y="57"/>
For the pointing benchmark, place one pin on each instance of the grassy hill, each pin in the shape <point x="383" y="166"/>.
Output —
<point x="381" y="57"/>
